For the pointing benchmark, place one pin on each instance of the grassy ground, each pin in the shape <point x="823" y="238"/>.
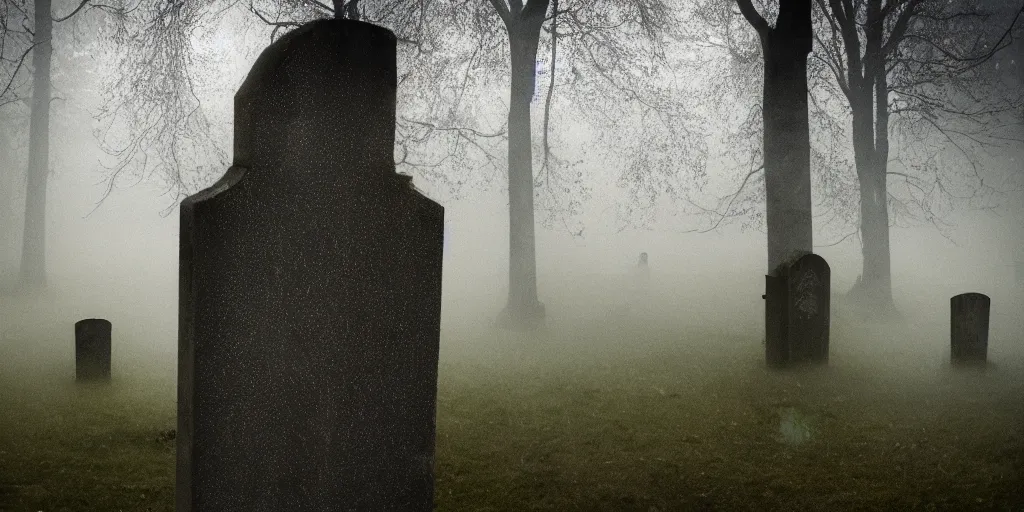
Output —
<point x="624" y="419"/>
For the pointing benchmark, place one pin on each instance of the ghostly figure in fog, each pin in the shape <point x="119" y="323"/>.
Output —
<point x="641" y="278"/>
<point x="643" y="272"/>
<point x="634" y="290"/>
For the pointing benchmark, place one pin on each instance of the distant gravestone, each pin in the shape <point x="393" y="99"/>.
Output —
<point x="798" y="312"/>
<point x="969" y="316"/>
<point x="92" y="350"/>
<point x="310" y="296"/>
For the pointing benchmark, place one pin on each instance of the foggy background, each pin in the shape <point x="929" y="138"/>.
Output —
<point x="120" y="261"/>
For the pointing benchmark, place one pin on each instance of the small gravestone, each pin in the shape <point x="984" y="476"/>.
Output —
<point x="92" y="350"/>
<point x="969" y="328"/>
<point x="810" y="296"/>
<point x="310" y="294"/>
<point x="797" y="312"/>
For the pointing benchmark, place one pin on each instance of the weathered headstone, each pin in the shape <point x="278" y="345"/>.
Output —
<point x="310" y="294"/>
<point x="798" y="312"/>
<point x="969" y="315"/>
<point x="810" y="298"/>
<point x="92" y="350"/>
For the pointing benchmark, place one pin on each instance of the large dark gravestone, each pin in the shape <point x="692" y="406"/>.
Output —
<point x="969" y="328"/>
<point x="310" y="294"/>
<point x="797" y="312"/>
<point x="92" y="350"/>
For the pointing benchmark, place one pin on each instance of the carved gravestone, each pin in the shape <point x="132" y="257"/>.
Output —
<point x="310" y="294"/>
<point x="797" y="312"/>
<point x="969" y="328"/>
<point x="810" y="294"/>
<point x="92" y="350"/>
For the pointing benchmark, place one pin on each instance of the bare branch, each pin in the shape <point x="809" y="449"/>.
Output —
<point x="74" y="12"/>
<point x="503" y="11"/>
<point x="753" y="17"/>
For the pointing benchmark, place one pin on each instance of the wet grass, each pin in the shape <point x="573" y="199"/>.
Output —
<point x="616" y="420"/>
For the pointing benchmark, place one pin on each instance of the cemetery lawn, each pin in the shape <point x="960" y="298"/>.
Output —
<point x="600" y="421"/>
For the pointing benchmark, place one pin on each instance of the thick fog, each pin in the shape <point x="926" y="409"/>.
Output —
<point x="115" y="254"/>
<point x="120" y="262"/>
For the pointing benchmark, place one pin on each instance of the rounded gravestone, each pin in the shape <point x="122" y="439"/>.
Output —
<point x="969" y="318"/>
<point x="798" y="312"/>
<point x="92" y="350"/>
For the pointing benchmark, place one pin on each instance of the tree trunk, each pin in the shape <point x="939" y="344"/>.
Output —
<point x="8" y="199"/>
<point x="874" y="289"/>
<point x="870" y="108"/>
<point x="33" y="253"/>
<point x="523" y="310"/>
<point x="787" y="158"/>
<point x="787" y="147"/>
<point x="876" y="279"/>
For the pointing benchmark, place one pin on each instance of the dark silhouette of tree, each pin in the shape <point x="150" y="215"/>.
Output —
<point x="33" y="242"/>
<point x="787" y="147"/>
<point x="910" y="81"/>
<point x="28" y="30"/>
<point x="920" y="60"/>
<point x="17" y="45"/>
<point x="12" y="171"/>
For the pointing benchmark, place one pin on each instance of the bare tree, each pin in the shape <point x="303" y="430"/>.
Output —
<point x="15" y="47"/>
<point x="787" y="147"/>
<point x="757" y="80"/>
<point x="633" y="84"/>
<point x="910" y="79"/>
<point x="919" y="60"/>
<point x="33" y="253"/>
<point x="445" y="44"/>
<point x="13" y="127"/>
<point x="732" y="88"/>
<point x="601" y="29"/>
<point x="28" y="29"/>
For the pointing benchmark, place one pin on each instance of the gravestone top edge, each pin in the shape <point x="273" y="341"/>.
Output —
<point x="811" y="256"/>
<point x="234" y="175"/>
<point x="277" y="52"/>
<point x="784" y="267"/>
<point x="341" y="48"/>
<point x="408" y="181"/>
<point x="91" y="320"/>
